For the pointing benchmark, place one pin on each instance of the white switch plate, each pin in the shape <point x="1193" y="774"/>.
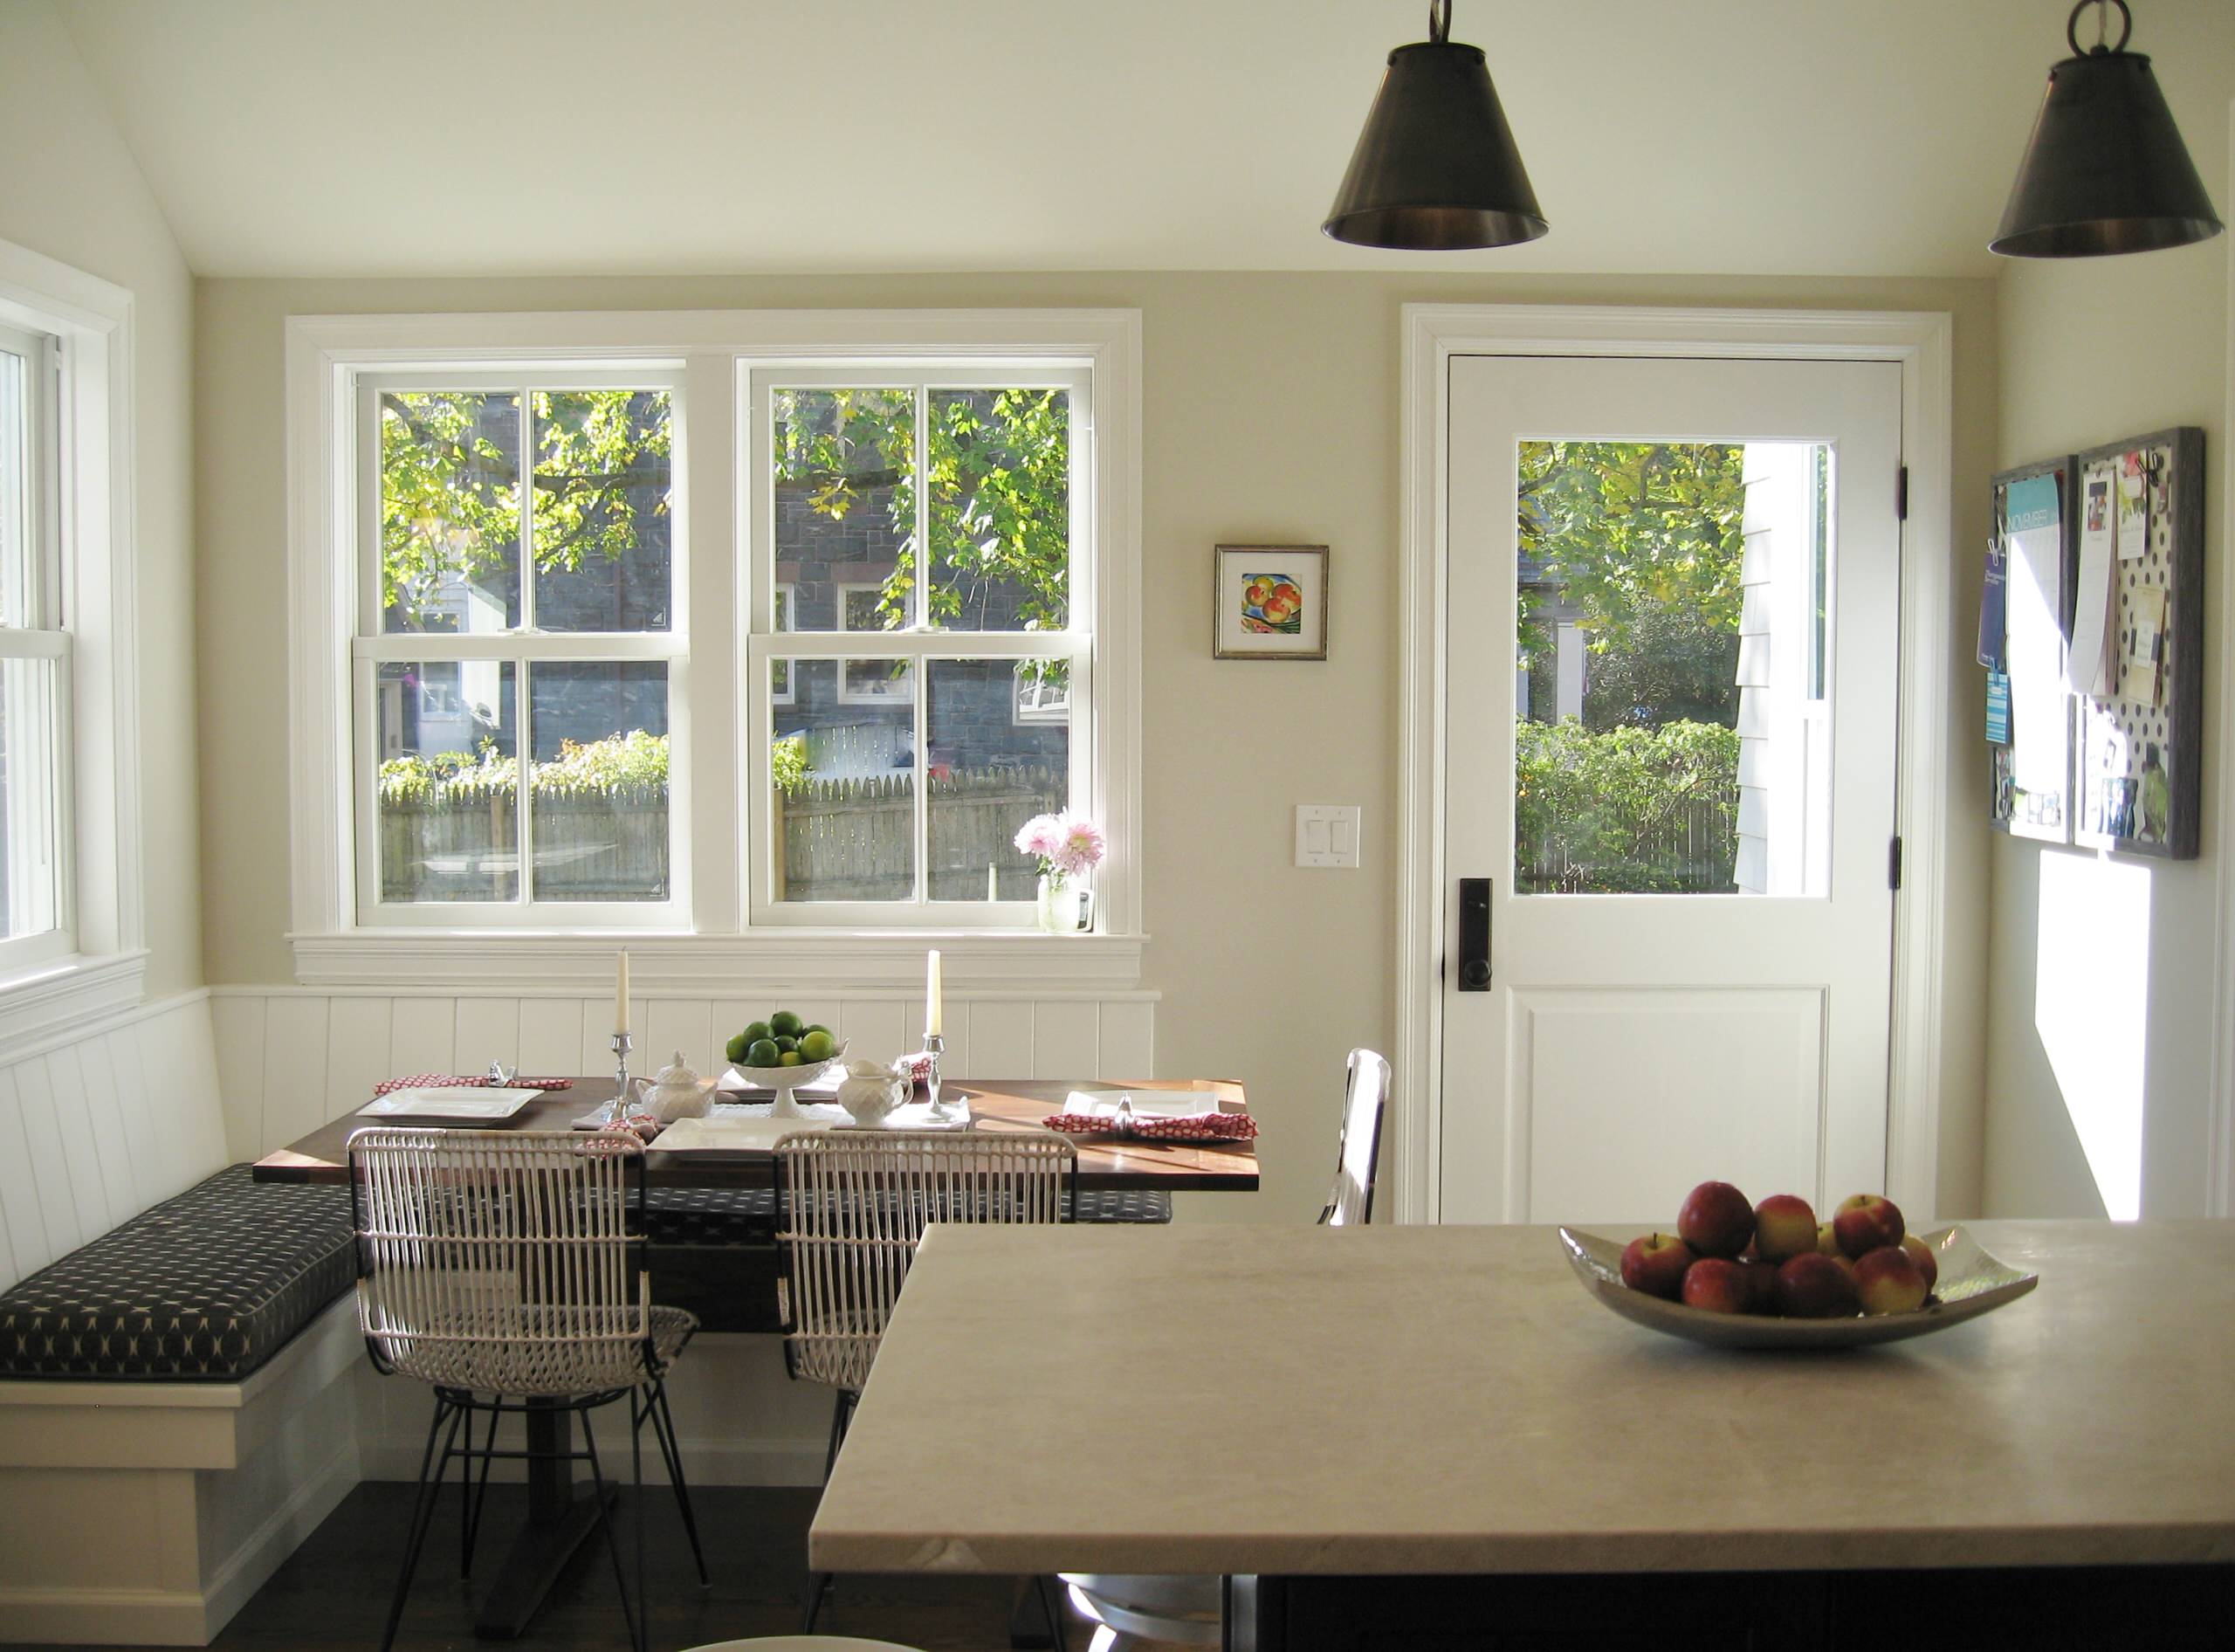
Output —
<point x="1326" y="835"/>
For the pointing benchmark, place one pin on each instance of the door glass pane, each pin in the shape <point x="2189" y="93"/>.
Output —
<point x="29" y="869"/>
<point x="1000" y="733"/>
<point x="843" y="782"/>
<point x="845" y="476"/>
<point x="1672" y="733"/>
<point x="603" y="478"/>
<point x="1001" y="509"/>
<point x="448" y="821"/>
<point x="449" y="511"/>
<point x="598" y="793"/>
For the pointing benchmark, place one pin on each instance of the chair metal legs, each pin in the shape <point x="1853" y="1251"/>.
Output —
<point x="422" y="1508"/>
<point x="663" y="1422"/>
<point x="818" y="1583"/>
<point x="605" y="1524"/>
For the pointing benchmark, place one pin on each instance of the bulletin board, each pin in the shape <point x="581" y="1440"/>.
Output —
<point x="2138" y="742"/>
<point x="2024" y="628"/>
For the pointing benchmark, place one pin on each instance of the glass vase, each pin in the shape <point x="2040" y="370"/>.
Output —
<point x="1058" y="907"/>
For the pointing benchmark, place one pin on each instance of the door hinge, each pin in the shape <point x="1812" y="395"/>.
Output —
<point x="1901" y="494"/>
<point x="1893" y="865"/>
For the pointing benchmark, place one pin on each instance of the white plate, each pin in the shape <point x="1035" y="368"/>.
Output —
<point x="1146" y="1104"/>
<point x="449" y="1101"/>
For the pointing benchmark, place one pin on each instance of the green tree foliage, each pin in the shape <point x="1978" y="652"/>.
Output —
<point x="1645" y="539"/>
<point x="1630" y="811"/>
<point x="451" y="484"/>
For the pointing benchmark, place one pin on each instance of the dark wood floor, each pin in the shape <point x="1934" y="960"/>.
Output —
<point x="332" y="1595"/>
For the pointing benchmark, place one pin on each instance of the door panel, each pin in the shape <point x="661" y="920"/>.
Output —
<point x="1672" y="599"/>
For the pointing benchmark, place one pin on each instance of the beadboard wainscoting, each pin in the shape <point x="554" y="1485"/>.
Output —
<point x="291" y="1058"/>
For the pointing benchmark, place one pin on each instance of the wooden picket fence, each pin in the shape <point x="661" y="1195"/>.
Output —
<point x="843" y="840"/>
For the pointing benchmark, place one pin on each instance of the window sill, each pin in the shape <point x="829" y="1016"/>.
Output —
<point x="58" y="1001"/>
<point x="722" y="965"/>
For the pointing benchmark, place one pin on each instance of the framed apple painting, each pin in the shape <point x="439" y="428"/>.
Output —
<point x="1269" y="602"/>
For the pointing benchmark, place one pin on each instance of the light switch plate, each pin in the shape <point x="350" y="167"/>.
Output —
<point x="1326" y="835"/>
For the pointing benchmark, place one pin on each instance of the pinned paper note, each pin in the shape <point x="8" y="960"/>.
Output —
<point x="2134" y="505"/>
<point x="2141" y="679"/>
<point x="2087" y="667"/>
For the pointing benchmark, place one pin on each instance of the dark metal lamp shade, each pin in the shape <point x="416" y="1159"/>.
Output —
<point x="2105" y="171"/>
<point x="1436" y="168"/>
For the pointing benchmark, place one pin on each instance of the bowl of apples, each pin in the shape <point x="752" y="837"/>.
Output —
<point x="1737" y="1274"/>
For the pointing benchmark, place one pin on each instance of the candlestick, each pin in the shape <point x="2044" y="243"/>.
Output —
<point x="992" y="884"/>
<point x="935" y="1047"/>
<point x="933" y="1024"/>
<point x="620" y="1045"/>
<point x="620" y="998"/>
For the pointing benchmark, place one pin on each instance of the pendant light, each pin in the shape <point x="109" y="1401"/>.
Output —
<point x="2106" y="170"/>
<point x="1436" y="168"/>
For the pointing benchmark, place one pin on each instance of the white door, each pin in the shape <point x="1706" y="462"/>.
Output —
<point x="1673" y="610"/>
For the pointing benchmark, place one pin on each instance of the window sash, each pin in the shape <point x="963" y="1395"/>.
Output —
<point x="41" y="805"/>
<point x="522" y="646"/>
<point x="920" y="643"/>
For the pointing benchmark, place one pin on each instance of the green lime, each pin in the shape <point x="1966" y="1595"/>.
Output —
<point x="815" y="1026"/>
<point x="756" y="1032"/>
<point x="762" y="1053"/>
<point x="736" y="1047"/>
<point x="816" y="1044"/>
<point x="784" y="1022"/>
<point x="785" y="1042"/>
<point x="791" y="1058"/>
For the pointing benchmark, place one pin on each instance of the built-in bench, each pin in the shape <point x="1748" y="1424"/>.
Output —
<point x="177" y="1345"/>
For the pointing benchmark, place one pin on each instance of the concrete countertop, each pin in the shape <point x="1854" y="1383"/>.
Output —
<point x="1202" y="1398"/>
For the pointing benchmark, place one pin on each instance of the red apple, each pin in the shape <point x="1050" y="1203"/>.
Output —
<point x="1717" y="1285"/>
<point x="1886" y="1281"/>
<point x="1716" y="1221"/>
<point x="1784" y="1226"/>
<point x="1865" y="1223"/>
<point x="1655" y="1265"/>
<point x="1761" y="1287"/>
<point x="1814" y="1286"/>
<point x="1927" y="1264"/>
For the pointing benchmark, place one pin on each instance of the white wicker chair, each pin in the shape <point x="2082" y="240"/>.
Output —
<point x="852" y="1208"/>
<point x="1188" y="1611"/>
<point x="505" y="1266"/>
<point x="803" y="1644"/>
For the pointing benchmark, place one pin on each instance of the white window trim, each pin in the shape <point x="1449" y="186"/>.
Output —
<point x="785" y="596"/>
<point x="721" y="950"/>
<point x="97" y="584"/>
<point x="903" y="690"/>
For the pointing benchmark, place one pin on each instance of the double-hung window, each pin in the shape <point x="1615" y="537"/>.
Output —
<point x="918" y="550"/>
<point x="35" y="661"/>
<point x="518" y="662"/>
<point x="755" y="636"/>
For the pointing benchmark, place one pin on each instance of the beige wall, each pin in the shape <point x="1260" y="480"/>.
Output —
<point x="70" y="189"/>
<point x="1270" y="411"/>
<point x="2094" y="350"/>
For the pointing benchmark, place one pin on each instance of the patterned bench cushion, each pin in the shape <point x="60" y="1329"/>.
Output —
<point x="748" y="1215"/>
<point x="206" y="1286"/>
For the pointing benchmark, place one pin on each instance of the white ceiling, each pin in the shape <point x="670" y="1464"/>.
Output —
<point x="571" y="136"/>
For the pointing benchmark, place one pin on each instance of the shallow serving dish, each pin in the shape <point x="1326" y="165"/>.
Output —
<point x="1971" y="1283"/>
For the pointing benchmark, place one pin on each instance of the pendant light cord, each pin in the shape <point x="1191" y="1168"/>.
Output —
<point x="1439" y="20"/>
<point x="2102" y="27"/>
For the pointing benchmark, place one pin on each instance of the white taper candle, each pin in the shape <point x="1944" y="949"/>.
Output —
<point x="621" y="996"/>
<point x="931" y="1022"/>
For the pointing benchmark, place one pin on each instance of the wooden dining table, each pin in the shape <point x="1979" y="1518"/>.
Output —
<point x="731" y="1287"/>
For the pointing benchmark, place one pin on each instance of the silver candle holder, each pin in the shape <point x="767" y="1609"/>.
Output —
<point x="935" y="1047"/>
<point x="620" y="1045"/>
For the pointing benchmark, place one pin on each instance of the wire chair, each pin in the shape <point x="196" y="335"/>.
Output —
<point x="504" y="1269"/>
<point x="851" y="1209"/>
<point x="1358" y="1151"/>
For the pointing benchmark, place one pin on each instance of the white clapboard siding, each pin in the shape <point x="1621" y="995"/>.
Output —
<point x="293" y="1059"/>
<point x="94" y="1129"/>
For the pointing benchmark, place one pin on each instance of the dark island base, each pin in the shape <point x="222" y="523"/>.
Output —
<point x="1943" y="1611"/>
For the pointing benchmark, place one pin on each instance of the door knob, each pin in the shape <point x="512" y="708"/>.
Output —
<point x="1474" y="935"/>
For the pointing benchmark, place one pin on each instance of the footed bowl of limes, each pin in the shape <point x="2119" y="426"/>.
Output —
<point x="781" y="1054"/>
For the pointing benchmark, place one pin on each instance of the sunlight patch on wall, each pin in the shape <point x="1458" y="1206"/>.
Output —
<point x="2091" y="1006"/>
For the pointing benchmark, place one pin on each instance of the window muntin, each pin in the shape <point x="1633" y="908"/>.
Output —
<point x="840" y="516"/>
<point x="35" y="661"/>
<point x="475" y="653"/>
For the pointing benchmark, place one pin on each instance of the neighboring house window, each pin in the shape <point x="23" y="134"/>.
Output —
<point x="927" y="526"/>
<point x="35" y="661"/>
<point x="520" y="650"/>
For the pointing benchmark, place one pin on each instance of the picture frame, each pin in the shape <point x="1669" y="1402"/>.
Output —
<point x="1269" y="602"/>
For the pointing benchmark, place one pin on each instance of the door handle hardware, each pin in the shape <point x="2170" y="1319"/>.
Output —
<point x="1474" y="935"/>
